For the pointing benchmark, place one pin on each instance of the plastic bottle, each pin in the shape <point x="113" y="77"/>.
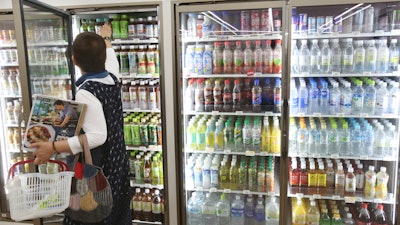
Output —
<point x="137" y="205"/>
<point x="249" y="207"/>
<point x="143" y="96"/>
<point x="238" y="58"/>
<point x="346" y="99"/>
<point x="340" y="180"/>
<point x="258" y="57"/>
<point x="336" y="56"/>
<point x="199" y="25"/>
<point x="313" y="215"/>
<point x="146" y="203"/>
<point x="348" y="220"/>
<point x="256" y="96"/>
<point x="259" y="212"/>
<point x="359" y="57"/>
<point x="201" y="135"/>
<point x="227" y="96"/>
<point x="360" y="178"/>
<point x="275" y="141"/>
<point x="314" y="95"/>
<point x="356" y="140"/>
<point x="336" y="220"/>
<point x="234" y="175"/>
<point x="229" y="142"/>
<point x="252" y="174"/>
<point x="267" y="95"/>
<point x="277" y="64"/>
<point x="334" y="99"/>
<point x="219" y="136"/>
<point x="214" y="174"/>
<point x="394" y="96"/>
<point x="237" y="96"/>
<point x="256" y="134"/>
<point x="379" y="141"/>
<point x="277" y="95"/>
<point x="223" y="211"/>
<point x="228" y="58"/>
<point x="198" y="59"/>
<point x="224" y="182"/>
<point x="382" y="179"/>
<point x="393" y="56"/>
<point x="206" y="27"/>
<point x="379" y="217"/>
<point x="390" y="150"/>
<point x="371" y="55"/>
<point x="299" y="213"/>
<point x="243" y="176"/>
<point x="326" y="57"/>
<point x="207" y="59"/>
<point x="348" y="57"/>
<point x="302" y="139"/>
<point x="194" y="210"/>
<point x="294" y="59"/>
<point x="382" y="62"/>
<point x="265" y="136"/>
<point x="363" y="216"/>
<point x="350" y="186"/>
<point x="369" y="141"/>
<point x="268" y="58"/>
<point x="303" y="98"/>
<point x="115" y="24"/>
<point x="208" y="96"/>
<point x="248" y="56"/>
<point x="199" y="96"/>
<point x="370" y="98"/>
<point x="209" y="210"/>
<point x="315" y="57"/>
<point x="304" y="57"/>
<point x="357" y="101"/>
<point x="294" y="97"/>
<point x="191" y="25"/>
<point x="247" y="135"/>
<point x="237" y="211"/>
<point x="370" y="181"/>
<point x="382" y="99"/>
<point x="189" y="95"/>
<point x="272" y="212"/>
<point x="330" y="176"/>
<point x="156" y="207"/>
<point x="325" y="218"/>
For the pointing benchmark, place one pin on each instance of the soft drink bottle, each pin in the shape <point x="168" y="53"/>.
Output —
<point x="156" y="207"/>
<point x="237" y="96"/>
<point x="299" y="213"/>
<point x="363" y="216"/>
<point x="208" y="96"/>
<point x="259" y="212"/>
<point x="382" y="99"/>
<point x="357" y="101"/>
<point x="313" y="215"/>
<point x="247" y="135"/>
<point x="379" y="217"/>
<point x="224" y="182"/>
<point x="302" y="139"/>
<point x="252" y="174"/>
<point x="277" y="64"/>
<point x="304" y="58"/>
<point x="294" y="97"/>
<point x="268" y="58"/>
<point x="394" y="95"/>
<point x="217" y="92"/>
<point x="248" y="58"/>
<point x="303" y="98"/>
<point x="238" y="136"/>
<point x="346" y="99"/>
<point x="228" y="58"/>
<point x="191" y="25"/>
<point x="210" y="136"/>
<point x="275" y="140"/>
<point x="258" y="57"/>
<point x="137" y="205"/>
<point x="247" y="95"/>
<point x="219" y="136"/>
<point x="277" y="95"/>
<point x="234" y="175"/>
<point x="256" y="96"/>
<point x="370" y="98"/>
<point x="227" y="96"/>
<point x="267" y="95"/>
<point x="265" y="143"/>
<point x="314" y="97"/>
<point x="229" y="142"/>
<point x="256" y="134"/>
<point x="218" y="60"/>
<point x="243" y="176"/>
<point x="199" y="96"/>
<point x="238" y="58"/>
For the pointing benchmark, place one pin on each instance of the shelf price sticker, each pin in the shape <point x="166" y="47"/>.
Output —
<point x="250" y="73"/>
<point x="227" y="191"/>
<point x="363" y="157"/>
<point x="335" y="156"/>
<point x="199" y="189"/>
<point x="299" y="195"/>
<point x="316" y="196"/>
<point x="305" y="74"/>
<point x="142" y="148"/>
<point x="250" y="153"/>
<point x="239" y="112"/>
<point x="215" y="113"/>
<point x="136" y="109"/>
<point x="271" y="193"/>
<point x="335" y="197"/>
<point x="269" y="113"/>
<point x="213" y="190"/>
<point x="147" y="186"/>
<point x="246" y="192"/>
<point x="257" y="74"/>
<point x="349" y="199"/>
<point x="335" y="74"/>
<point x="367" y="74"/>
<point x="363" y="114"/>
<point x="227" y="151"/>
<point x="263" y="153"/>
<point x="377" y="200"/>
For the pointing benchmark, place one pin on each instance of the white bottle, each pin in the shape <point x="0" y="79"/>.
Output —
<point x="206" y="173"/>
<point x="394" y="98"/>
<point x="382" y="63"/>
<point x="198" y="173"/>
<point x="237" y="211"/>
<point x="214" y="170"/>
<point x="336" y="56"/>
<point x="382" y="99"/>
<point x="272" y="212"/>
<point x="315" y="57"/>
<point x="304" y="57"/>
<point x="191" y="25"/>
<point x="371" y="54"/>
<point x="393" y="56"/>
<point x="326" y="57"/>
<point x="208" y="210"/>
<point x="17" y="111"/>
<point x="206" y="27"/>
<point x="348" y="56"/>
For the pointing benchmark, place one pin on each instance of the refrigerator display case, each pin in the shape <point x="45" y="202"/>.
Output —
<point x="344" y="113"/>
<point x="230" y="77"/>
<point x="135" y="33"/>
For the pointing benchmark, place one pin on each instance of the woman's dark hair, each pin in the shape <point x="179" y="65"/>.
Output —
<point x="58" y="102"/>
<point x="89" y="50"/>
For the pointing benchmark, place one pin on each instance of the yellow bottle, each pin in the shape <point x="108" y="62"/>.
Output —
<point x="210" y="135"/>
<point x="266" y="136"/>
<point x="275" y="136"/>
<point x="299" y="213"/>
<point x="219" y="136"/>
<point x="224" y="182"/>
<point x="201" y="135"/>
<point x="234" y="175"/>
<point x="312" y="176"/>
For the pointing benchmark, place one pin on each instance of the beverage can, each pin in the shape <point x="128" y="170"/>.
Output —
<point x="245" y="20"/>
<point x="198" y="59"/>
<point x="265" y="21"/>
<point x="303" y="22"/>
<point x="338" y="25"/>
<point x="320" y="24"/>
<point x="255" y="20"/>
<point x="329" y="22"/>
<point x="295" y="23"/>
<point x="312" y="23"/>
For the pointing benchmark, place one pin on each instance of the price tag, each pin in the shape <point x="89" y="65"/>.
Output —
<point x="377" y="200"/>
<point x="269" y="113"/>
<point x="271" y="193"/>
<point x="142" y="148"/>
<point x="364" y="157"/>
<point x="222" y="38"/>
<point x="379" y="32"/>
<point x="335" y="197"/>
<point x="136" y="39"/>
<point x="147" y="185"/>
<point x="301" y="114"/>
<point x="227" y="151"/>
<point x="305" y="74"/>
<point x="160" y="187"/>
<point x="340" y="114"/>
<point x="349" y="199"/>
<point x="246" y="192"/>
<point x="356" y="32"/>
<point x="209" y="150"/>
<point x="263" y="153"/>
<point x="199" y="189"/>
<point x="335" y="73"/>
<point x="299" y="195"/>
<point x="359" y="199"/>
<point x="250" y="73"/>
<point x="213" y="190"/>
<point x="257" y="74"/>
<point x="155" y="110"/>
<point x="317" y="114"/>
<point x="159" y="147"/>
<point x="153" y="39"/>
<point x="316" y="196"/>
<point x="239" y="112"/>
<point x="215" y="112"/>
<point x="335" y="156"/>
<point x="388" y="159"/>
<point x="250" y="153"/>
<point x="227" y="190"/>
<point x="367" y="74"/>
<point x="136" y="109"/>
<point x="335" y="34"/>
<point x="363" y="114"/>
<point x="152" y="147"/>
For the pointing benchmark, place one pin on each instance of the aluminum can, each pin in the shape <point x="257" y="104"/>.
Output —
<point x="303" y="22"/>
<point x="320" y="24"/>
<point x="265" y="21"/>
<point x="338" y="25"/>
<point x="329" y="26"/>
<point x="312" y="25"/>
<point x="255" y="20"/>
<point x="245" y="20"/>
<point x="295" y="24"/>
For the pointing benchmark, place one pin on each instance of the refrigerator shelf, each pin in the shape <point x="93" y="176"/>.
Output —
<point x="143" y="110"/>
<point x="237" y="113"/>
<point x="137" y="222"/>
<point x="337" y="156"/>
<point x="346" y="35"/>
<point x="8" y="45"/>
<point x="10" y="96"/>
<point x="51" y="77"/>
<point x="250" y="75"/>
<point x="9" y="64"/>
<point x="341" y="115"/>
<point x="329" y="194"/>
<point x="150" y="186"/>
<point x="229" y="152"/>
<point x="229" y="191"/>
<point x="150" y="148"/>
<point x="134" y="76"/>
<point x="46" y="44"/>
<point x="234" y="38"/>
<point x="134" y="41"/>
<point x="336" y="74"/>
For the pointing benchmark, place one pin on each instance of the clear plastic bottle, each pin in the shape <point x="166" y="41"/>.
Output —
<point x="156" y="206"/>
<point x="259" y="212"/>
<point x="348" y="57"/>
<point x="294" y="59"/>
<point x="218" y="60"/>
<point x="209" y="210"/>
<point x="299" y="213"/>
<point x="268" y="57"/>
<point x="382" y="99"/>
<point x="199" y="25"/>
<point x="227" y="96"/>
<point x="217" y="93"/>
<point x="382" y="63"/>
<point x="336" y="56"/>
<point x="390" y="150"/>
<point x="189" y="95"/>
<point x="356" y="141"/>
<point x="326" y="57"/>
<point x="314" y="98"/>
<point x="137" y="205"/>
<point x="248" y="58"/>
<point x="303" y="98"/>
<point x="194" y="210"/>
<point x="256" y="96"/>
<point x="302" y="139"/>
<point x="238" y="58"/>
<point x="315" y="57"/>
<point x="357" y="101"/>
<point x="359" y="56"/>
<point x="256" y="134"/>
<point x="346" y="99"/>
<point x="199" y="96"/>
<point x="370" y="56"/>
<point x="258" y="57"/>
<point x="379" y="216"/>
<point x="146" y="202"/>
<point x="345" y="140"/>
<point x="370" y="181"/>
<point x="324" y="98"/>
<point x="191" y="25"/>
<point x="294" y="97"/>
<point x="370" y="98"/>
<point x="247" y="135"/>
<point x="227" y="55"/>
<point x="208" y="96"/>
<point x="394" y="96"/>
<point x="249" y="210"/>
<point x="381" y="189"/>
<point x="277" y="65"/>
<point x="237" y="211"/>
<point x="350" y="185"/>
<point x="313" y="215"/>
<point x="277" y="95"/>
<point x="393" y="56"/>
<point x="304" y="57"/>
<point x="272" y="212"/>
<point x="223" y="210"/>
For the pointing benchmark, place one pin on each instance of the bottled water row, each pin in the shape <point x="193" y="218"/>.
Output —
<point x="347" y="96"/>
<point x="350" y="56"/>
<point x="222" y="209"/>
<point x="343" y="137"/>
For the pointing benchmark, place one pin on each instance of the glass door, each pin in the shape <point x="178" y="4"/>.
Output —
<point x="230" y="77"/>
<point x="344" y="113"/>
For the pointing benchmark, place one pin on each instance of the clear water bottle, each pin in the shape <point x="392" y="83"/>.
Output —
<point x="223" y="210"/>
<point x="345" y="140"/>
<point x="194" y="210"/>
<point x="333" y="137"/>
<point x="294" y="59"/>
<point x="391" y="143"/>
<point x="359" y="57"/>
<point x="304" y="57"/>
<point x="302" y="139"/>
<point x="358" y="98"/>
<point x="303" y="98"/>
<point x="346" y="99"/>
<point x="334" y="99"/>
<point x="382" y="99"/>
<point x="324" y="98"/>
<point x="370" y="98"/>
<point x="348" y="56"/>
<point x="314" y="98"/>
<point x="356" y="140"/>
<point x="326" y="57"/>
<point x="379" y="141"/>
<point x="393" y="56"/>
<point x="209" y="210"/>
<point x="323" y="136"/>
<point x="259" y="212"/>
<point x="314" y="139"/>
<point x="394" y="96"/>
<point x="369" y="141"/>
<point x="294" y="97"/>
<point x="191" y="25"/>
<point x="249" y="210"/>
<point x="382" y="63"/>
<point x="370" y="56"/>
<point x="336" y="56"/>
<point x="237" y="211"/>
<point x="315" y="57"/>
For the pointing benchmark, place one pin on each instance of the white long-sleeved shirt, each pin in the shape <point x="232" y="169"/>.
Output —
<point x="95" y="127"/>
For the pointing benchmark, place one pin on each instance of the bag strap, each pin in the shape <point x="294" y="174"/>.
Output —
<point x="86" y="151"/>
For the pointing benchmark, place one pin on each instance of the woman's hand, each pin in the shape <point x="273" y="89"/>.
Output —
<point x="44" y="150"/>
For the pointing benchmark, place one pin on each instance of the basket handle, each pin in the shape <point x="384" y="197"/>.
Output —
<point x="63" y="166"/>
